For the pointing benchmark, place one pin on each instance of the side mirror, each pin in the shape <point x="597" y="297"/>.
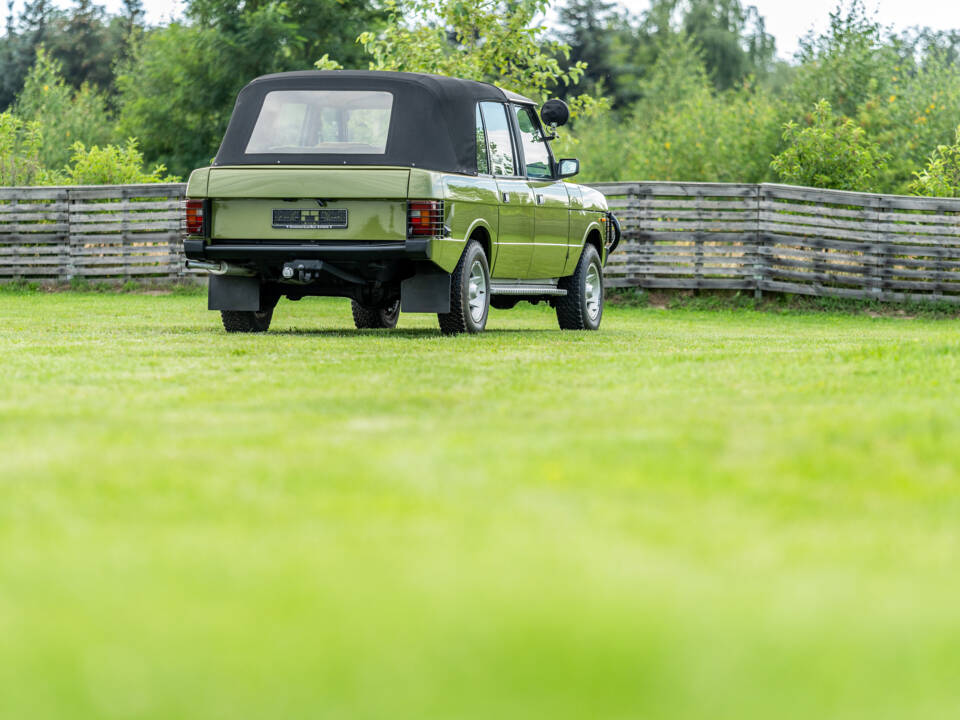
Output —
<point x="568" y="167"/>
<point x="555" y="113"/>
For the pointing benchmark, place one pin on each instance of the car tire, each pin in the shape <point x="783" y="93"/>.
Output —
<point x="369" y="318"/>
<point x="582" y="307"/>
<point x="246" y="321"/>
<point x="469" y="293"/>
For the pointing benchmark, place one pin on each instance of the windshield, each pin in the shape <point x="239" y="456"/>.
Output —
<point x="335" y="122"/>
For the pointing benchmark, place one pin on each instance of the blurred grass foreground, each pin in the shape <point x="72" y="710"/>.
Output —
<point x="689" y="514"/>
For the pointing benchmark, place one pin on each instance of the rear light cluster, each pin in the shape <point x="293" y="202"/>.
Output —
<point x="425" y="217"/>
<point x="194" y="217"/>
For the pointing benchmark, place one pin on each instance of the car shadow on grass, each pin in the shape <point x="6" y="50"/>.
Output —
<point x="405" y="333"/>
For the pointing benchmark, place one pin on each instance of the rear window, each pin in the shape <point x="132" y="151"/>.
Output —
<point x="324" y="122"/>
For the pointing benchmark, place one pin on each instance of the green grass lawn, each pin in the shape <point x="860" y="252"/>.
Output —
<point x="690" y="514"/>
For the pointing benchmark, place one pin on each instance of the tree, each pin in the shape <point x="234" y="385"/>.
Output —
<point x="488" y="40"/>
<point x="9" y="60"/>
<point x="130" y="26"/>
<point x="83" y="47"/>
<point x="64" y="114"/>
<point x="177" y="90"/>
<point x="848" y="64"/>
<point x="732" y="38"/>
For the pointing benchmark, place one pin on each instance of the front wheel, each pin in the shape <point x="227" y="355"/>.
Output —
<point x="469" y="293"/>
<point x="582" y="307"/>
<point x="367" y="318"/>
<point x="246" y="321"/>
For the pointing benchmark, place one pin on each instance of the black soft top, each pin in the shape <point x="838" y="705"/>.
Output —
<point x="432" y="125"/>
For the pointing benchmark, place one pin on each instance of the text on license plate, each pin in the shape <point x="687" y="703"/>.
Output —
<point x="319" y="219"/>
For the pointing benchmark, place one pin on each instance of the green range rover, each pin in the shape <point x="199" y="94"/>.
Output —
<point x="400" y="191"/>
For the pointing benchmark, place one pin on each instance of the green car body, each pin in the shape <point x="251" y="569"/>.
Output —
<point x="389" y="235"/>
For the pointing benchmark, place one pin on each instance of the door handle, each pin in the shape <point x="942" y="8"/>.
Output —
<point x="539" y="199"/>
<point x="505" y="196"/>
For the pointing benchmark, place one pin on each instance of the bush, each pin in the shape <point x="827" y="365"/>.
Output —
<point x="831" y="153"/>
<point x="20" y="151"/>
<point x="111" y="165"/>
<point x="941" y="177"/>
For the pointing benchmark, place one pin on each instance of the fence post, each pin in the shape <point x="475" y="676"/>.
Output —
<point x="758" y="259"/>
<point x="641" y="248"/>
<point x="72" y="251"/>
<point x="698" y="243"/>
<point x="879" y="250"/>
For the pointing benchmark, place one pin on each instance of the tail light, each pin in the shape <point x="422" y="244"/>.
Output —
<point x="194" y="217"/>
<point x="425" y="217"/>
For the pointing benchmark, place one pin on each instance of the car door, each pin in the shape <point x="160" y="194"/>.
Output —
<point x="516" y="199"/>
<point x="551" y="200"/>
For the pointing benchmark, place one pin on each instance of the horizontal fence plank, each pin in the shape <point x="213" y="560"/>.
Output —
<point x="125" y="206"/>
<point x="33" y="193"/>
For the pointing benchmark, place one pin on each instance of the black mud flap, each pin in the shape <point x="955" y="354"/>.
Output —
<point x="228" y="292"/>
<point x="426" y="292"/>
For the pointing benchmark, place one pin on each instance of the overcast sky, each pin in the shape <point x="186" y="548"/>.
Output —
<point x="787" y="20"/>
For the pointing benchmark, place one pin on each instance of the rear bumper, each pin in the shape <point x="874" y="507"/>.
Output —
<point x="357" y="251"/>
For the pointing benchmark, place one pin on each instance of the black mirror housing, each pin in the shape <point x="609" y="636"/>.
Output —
<point x="555" y="113"/>
<point x="568" y="167"/>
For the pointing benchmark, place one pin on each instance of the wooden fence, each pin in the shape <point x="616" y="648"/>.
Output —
<point x="772" y="238"/>
<point x="781" y="238"/>
<point x="95" y="232"/>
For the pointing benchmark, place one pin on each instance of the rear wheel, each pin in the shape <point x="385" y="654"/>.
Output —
<point x="469" y="293"/>
<point x="246" y="321"/>
<point x="366" y="318"/>
<point x="582" y="307"/>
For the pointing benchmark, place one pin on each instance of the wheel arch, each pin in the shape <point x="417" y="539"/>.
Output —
<point x="480" y="231"/>
<point x="593" y="235"/>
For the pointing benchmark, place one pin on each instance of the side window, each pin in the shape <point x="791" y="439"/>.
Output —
<point x="498" y="138"/>
<point x="535" y="152"/>
<point x="482" y="166"/>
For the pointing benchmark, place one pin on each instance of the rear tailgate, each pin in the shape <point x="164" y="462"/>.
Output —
<point x="300" y="204"/>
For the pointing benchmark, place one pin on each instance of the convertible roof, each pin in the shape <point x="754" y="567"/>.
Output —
<point x="432" y="124"/>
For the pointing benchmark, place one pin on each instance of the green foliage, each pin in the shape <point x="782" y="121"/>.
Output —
<point x="831" y="152"/>
<point x="941" y="176"/>
<point x="112" y="165"/>
<point x="487" y="40"/>
<point x="20" y="143"/>
<point x="66" y="115"/>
